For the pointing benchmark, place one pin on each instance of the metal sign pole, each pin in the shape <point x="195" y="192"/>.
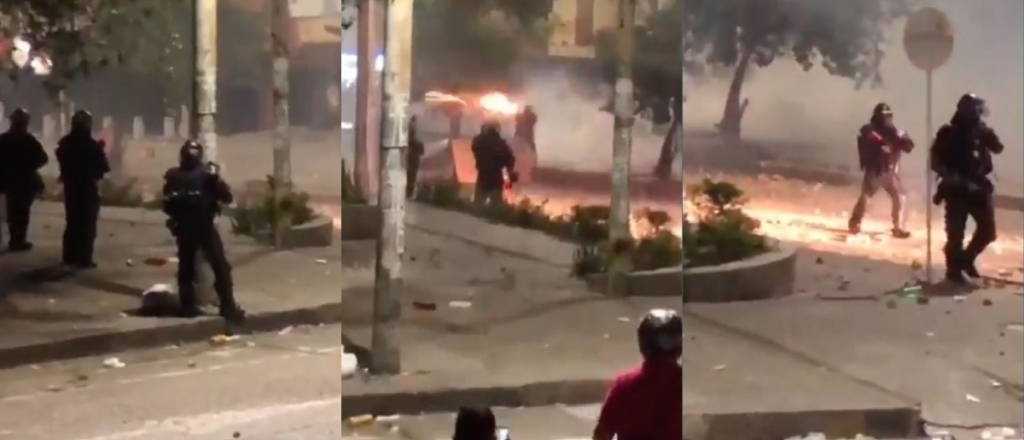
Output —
<point x="928" y="181"/>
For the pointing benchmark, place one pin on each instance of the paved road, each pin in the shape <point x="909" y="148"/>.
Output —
<point x="537" y="423"/>
<point x="264" y="386"/>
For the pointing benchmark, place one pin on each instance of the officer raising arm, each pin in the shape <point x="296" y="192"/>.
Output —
<point x="962" y="157"/>
<point x="193" y="195"/>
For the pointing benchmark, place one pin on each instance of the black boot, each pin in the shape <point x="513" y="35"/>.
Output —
<point x="967" y="265"/>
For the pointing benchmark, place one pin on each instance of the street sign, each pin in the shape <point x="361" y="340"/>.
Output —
<point x="928" y="39"/>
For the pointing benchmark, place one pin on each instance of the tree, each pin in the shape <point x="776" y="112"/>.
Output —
<point x="657" y="71"/>
<point x="846" y="38"/>
<point x="482" y="40"/>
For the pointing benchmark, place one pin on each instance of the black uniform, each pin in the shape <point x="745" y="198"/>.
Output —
<point x="21" y="157"/>
<point x="193" y="195"/>
<point x="83" y="163"/>
<point x="413" y="158"/>
<point x="493" y="156"/>
<point x="962" y="157"/>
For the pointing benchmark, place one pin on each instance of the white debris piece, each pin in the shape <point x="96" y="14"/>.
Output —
<point x="460" y="304"/>
<point x="161" y="288"/>
<point x="113" y="363"/>
<point x="995" y="383"/>
<point x="623" y="319"/>
<point x="388" y="419"/>
<point x="972" y="398"/>
<point x="285" y="331"/>
<point x="349" y="365"/>
<point x="321" y="261"/>
<point x="959" y="298"/>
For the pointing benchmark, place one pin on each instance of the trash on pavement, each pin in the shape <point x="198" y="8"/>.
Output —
<point x="424" y="305"/>
<point x="819" y="260"/>
<point x="113" y="363"/>
<point x="460" y="304"/>
<point x="719" y="367"/>
<point x="388" y="419"/>
<point x="972" y="398"/>
<point x="349" y="365"/>
<point x="995" y="383"/>
<point x="250" y="344"/>
<point x="890" y="304"/>
<point x="129" y="263"/>
<point x="362" y="420"/>
<point x="1015" y="327"/>
<point x="607" y="336"/>
<point x="173" y="260"/>
<point x="192" y="364"/>
<point x="321" y="261"/>
<point x="986" y="302"/>
<point x="916" y="265"/>
<point x="285" y="330"/>
<point x="960" y="298"/>
<point x="930" y="334"/>
<point x="222" y="339"/>
<point x="624" y="319"/>
<point x="156" y="261"/>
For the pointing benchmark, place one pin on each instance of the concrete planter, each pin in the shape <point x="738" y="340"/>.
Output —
<point x="359" y="222"/>
<point x="318" y="232"/>
<point x="765" y="276"/>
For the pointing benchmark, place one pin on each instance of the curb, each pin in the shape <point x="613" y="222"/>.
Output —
<point x="194" y="331"/>
<point x="569" y="392"/>
<point x="897" y="422"/>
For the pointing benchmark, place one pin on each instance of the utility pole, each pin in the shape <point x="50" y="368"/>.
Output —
<point x="204" y="105"/>
<point x="391" y="197"/>
<point x="619" y="235"/>
<point x="280" y="18"/>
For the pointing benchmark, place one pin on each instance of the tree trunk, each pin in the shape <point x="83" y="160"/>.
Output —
<point x="668" y="150"/>
<point x="282" y="140"/>
<point x="391" y="197"/>
<point x="619" y="232"/>
<point x="733" y="115"/>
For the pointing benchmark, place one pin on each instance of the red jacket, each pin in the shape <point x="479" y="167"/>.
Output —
<point x="880" y="148"/>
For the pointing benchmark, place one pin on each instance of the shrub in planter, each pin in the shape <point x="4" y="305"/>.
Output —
<point x="723" y="232"/>
<point x="262" y="219"/>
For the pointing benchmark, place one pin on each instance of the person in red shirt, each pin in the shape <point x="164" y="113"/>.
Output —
<point x="646" y="403"/>
<point x="880" y="145"/>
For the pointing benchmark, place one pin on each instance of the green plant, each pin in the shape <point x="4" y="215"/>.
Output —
<point x="723" y="231"/>
<point x="262" y="219"/>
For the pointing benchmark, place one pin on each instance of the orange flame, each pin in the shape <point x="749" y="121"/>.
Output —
<point x="499" y="103"/>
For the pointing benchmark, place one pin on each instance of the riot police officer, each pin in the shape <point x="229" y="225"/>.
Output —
<point x="21" y="157"/>
<point x="647" y="402"/>
<point x="83" y="163"/>
<point x="193" y="194"/>
<point x="962" y="157"/>
<point x="493" y="158"/>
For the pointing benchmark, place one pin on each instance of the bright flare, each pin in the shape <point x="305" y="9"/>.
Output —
<point x="499" y="103"/>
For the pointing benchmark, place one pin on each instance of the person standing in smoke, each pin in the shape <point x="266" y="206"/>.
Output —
<point x="83" y="164"/>
<point x="493" y="158"/>
<point x="412" y="160"/>
<point x="880" y="146"/>
<point x="962" y="157"/>
<point x="192" y="197"/>
<point x="21" y="157"/>
<point x="525" y="123"/>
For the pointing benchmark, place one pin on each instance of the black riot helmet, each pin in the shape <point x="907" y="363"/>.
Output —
<point x="661" y="334"/>
<point x="191" y="154"/>
<point x="971" y="106"/>
<point x="81" y="122"/>
<point x="20" y="118"/>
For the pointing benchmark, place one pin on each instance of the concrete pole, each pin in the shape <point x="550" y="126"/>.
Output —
<point x="619" y="233"/>
<point x="204" y="103"/>
<point x="368" y="100"/>
<point x="391" y="198"/>
<point x="282" y="141"/>
<point x="204" y="89"/>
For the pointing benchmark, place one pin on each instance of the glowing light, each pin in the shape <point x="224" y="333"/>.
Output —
<point x="349" y="70"/>
<point x="41" y="65"/>
<point x="434" y="97"/>
<point x="22" y="52"/>
<point x="499" y="103"/>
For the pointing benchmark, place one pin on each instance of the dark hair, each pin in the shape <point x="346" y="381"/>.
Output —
<point x="474" y="424"/>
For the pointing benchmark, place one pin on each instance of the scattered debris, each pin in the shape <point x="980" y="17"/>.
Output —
<point x="424" y="306"/>
<point x="995" y="383"/>
<point x="923" y="300"/>
<point x="173" y="260"/>
<point x="156" y="261"/>
<point x="360" y="420"/>
<point x="1019" y="328"/>
<point x="113" y="363"/>
<point x="844" y="285"/>
<point x="986" y="302"/>
<point x="388" y="419"/>
<point x="916" y="265"/>
<point x="192" y="364"/>
<point x="321" y="261"/>
<point x="349" y="365"/>
<point x="34" y="367"/>
<point x="82" y="377"/>
<point x="930" y="334"/>
<point x="607" y="336"/>
<point x="54" y="388"/>
<point x="720" y="367"/>
<point x="819" y="260"/>
<point x="285" y="330"/>
<point x="222" y="339"/>
<point x="460" y="304"/>
<point x="624" y="319"/>
<point x="972" y="398"/>
<point x="960" y="298"/>
<point x="250" y="344"/>
<point x="129" y="263"/>
<point x="891" y="304"/>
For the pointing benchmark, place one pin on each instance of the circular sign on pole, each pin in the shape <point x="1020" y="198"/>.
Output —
<point x="928" y="39"/>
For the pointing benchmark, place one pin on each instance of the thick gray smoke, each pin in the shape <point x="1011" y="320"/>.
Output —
<point x="821" y="113"/>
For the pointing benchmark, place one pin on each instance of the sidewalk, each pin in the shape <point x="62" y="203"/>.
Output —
<point x="46" y="315"/>
<point x="533" y="336"/>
